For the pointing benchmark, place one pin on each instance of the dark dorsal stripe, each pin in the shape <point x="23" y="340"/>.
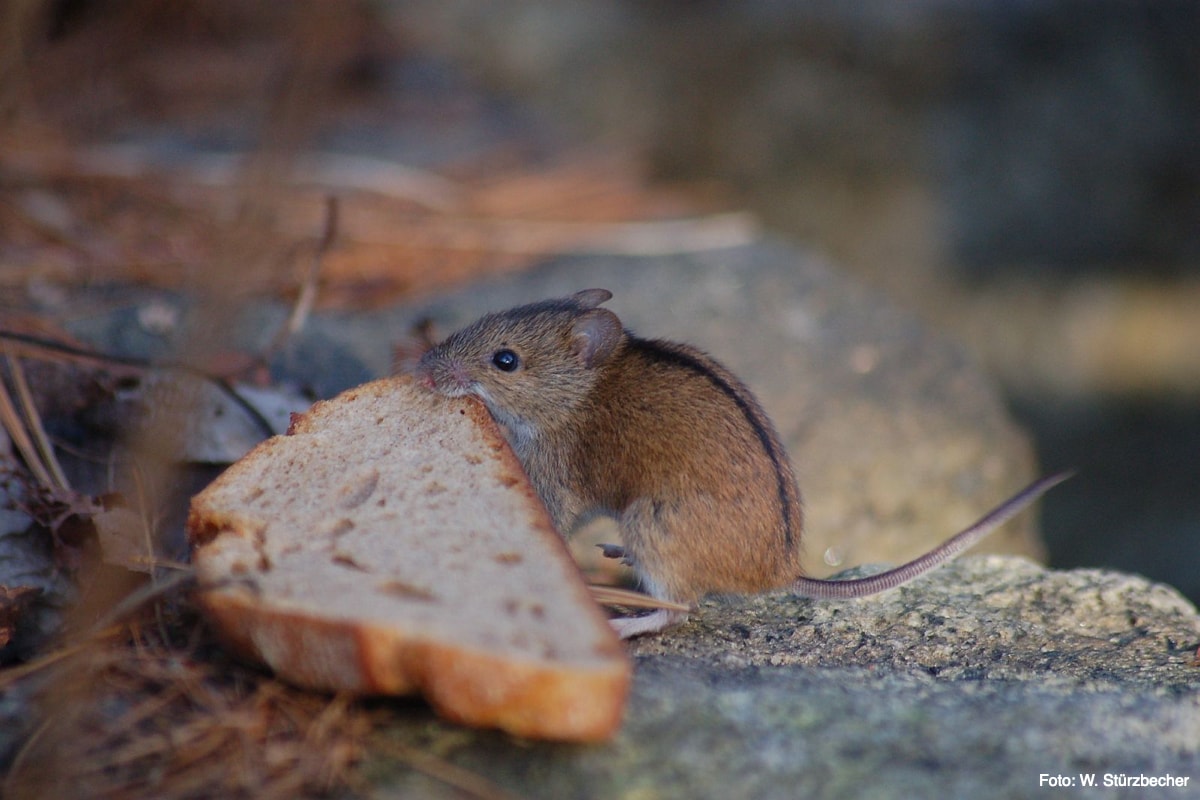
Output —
<point x="665" y="353"/>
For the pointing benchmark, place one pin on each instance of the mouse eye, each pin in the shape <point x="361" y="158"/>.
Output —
<point x="505" y="360"/>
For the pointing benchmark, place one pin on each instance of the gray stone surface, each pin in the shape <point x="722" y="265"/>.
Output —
<point x="984" y="618"/>
<point x="899" y="440"/>
<point x="973" y="682"/>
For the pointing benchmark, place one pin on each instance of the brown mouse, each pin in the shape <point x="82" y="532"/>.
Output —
<point x="662" y="437"/>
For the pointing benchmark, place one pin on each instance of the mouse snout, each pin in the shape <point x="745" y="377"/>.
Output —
<point x="448" y="376"/>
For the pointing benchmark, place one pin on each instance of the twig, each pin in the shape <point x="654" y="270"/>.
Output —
<point x="16" y="767"/>
<point x="612" y="596"/>
<point x="526" y="237"/>
<point x="139" y="597"/>
<point x="148" y="525"/>
<point x="19" y="433"/>
<point x="34" y="421"/>
<point x="308" y="286"/>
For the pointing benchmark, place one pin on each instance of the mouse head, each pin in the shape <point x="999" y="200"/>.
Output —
<point x="531" y="365"/>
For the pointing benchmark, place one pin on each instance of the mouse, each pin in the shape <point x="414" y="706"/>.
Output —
<point x="665" y="439"/>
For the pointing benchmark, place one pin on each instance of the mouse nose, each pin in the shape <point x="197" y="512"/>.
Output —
<point x="424" y="373"/>
<point x="448" y="376"/>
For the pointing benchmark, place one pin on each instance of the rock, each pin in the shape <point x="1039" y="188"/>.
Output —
<point x="984" y="618"/>
<point x="899" y="441"/>
<point x="973" y="682"/>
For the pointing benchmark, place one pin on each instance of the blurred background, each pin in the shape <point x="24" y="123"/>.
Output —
<point x="1023" y="176"/>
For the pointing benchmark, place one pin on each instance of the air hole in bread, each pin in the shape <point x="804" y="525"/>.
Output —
<point x="508" y="558"/>
<point x="260" y="545"/>
<point x="344" y="560"/>
<point x="358" y="490"/>
<point x="406" y="590"/>
<point x="339" y="528"/>
<point x="520" y="606"/>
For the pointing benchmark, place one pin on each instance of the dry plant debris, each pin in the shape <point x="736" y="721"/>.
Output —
<point x="151" y="708"/>
<point x="160" y="226"/>
<point x="155" y="708"/>
<point x="158" y="711"/>
<point x="75" y="209"/>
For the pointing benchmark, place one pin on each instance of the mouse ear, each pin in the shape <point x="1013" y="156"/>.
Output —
<point x="590" y="298"/>
<point x="595" y="334"/>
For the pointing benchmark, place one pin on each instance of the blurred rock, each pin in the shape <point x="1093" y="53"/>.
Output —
<point x="981" y="134"/>
<point x="899" y="441"/>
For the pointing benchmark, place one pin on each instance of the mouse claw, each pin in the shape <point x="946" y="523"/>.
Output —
<point x="616" y="551"/>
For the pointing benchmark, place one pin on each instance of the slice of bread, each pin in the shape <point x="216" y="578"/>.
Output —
<point x="391" y="543"/>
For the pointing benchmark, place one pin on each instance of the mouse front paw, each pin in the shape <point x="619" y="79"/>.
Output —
<point x="616" y="551"/>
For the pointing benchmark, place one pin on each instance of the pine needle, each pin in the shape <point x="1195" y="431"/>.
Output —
<point x="612" y="596"/>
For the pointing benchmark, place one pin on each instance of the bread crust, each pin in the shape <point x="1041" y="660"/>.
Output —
<point x="570" y="696"/>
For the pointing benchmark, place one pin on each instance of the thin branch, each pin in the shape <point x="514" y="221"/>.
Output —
<point x="612" y="596"/>
<point x="34" y="421"/>
<point x="308" y="286"/>
<point x="19" y="434"/>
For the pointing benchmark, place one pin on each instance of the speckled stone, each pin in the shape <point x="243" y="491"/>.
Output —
<point x="972" y="682"/>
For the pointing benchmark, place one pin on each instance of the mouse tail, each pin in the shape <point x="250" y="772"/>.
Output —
<point x="881" y="582"/>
